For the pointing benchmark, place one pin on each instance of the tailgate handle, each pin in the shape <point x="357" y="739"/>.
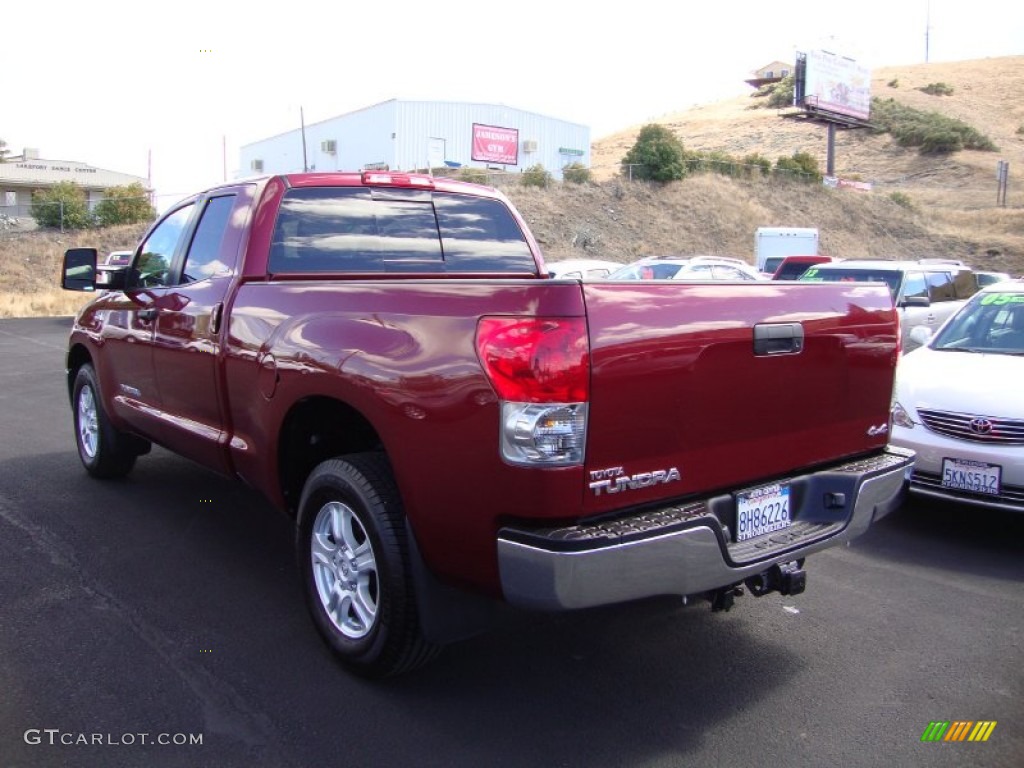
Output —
<point x="778" y="339"/>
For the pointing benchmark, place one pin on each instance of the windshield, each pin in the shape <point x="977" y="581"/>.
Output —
<point x="891" y="277"/>
<point x="991" y="322"/>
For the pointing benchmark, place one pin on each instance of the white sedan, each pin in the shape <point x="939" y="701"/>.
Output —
<point x="579" y="268"/>
<point x="959" y="403"/>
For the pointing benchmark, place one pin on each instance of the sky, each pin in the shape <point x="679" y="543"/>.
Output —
<point x="171" y="91"/>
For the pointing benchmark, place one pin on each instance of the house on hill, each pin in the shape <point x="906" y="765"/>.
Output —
<point x="769" y="73"/>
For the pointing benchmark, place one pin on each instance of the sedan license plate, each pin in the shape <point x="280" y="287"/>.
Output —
<point x="973" y="476"/>
<point x="762" y="510"/>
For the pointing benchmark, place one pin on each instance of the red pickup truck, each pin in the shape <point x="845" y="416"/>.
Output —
<point x="385" y="357"/>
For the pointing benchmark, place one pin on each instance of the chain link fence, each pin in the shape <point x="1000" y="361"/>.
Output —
<point x="58" y="214"/>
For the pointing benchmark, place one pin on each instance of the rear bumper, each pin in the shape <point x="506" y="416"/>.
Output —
<point x="687" y="549"/>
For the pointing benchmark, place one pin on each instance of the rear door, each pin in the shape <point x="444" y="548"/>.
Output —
<point x="733" y="384"/>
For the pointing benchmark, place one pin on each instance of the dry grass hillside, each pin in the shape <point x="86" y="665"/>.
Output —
<point x="952" y="211"/>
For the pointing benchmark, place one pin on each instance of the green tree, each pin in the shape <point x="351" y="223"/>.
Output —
<point x="536" y="176"/>
<point x="577" y="173"/>
<point x="124" y="205"/>
<point x="63" y="205"/>
<point x="3" y="151"/>
<point x="657" y="155"/>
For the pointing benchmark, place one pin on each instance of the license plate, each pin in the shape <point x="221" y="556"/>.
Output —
<point x="973" y="476"/>
<point x="762" y="510"/>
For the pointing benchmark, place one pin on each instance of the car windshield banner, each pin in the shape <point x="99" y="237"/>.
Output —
<point x="495" y="145"/>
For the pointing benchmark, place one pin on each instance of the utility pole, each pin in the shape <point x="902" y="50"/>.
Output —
<point x="302" y="121"/>
<point x="927" y="28"/>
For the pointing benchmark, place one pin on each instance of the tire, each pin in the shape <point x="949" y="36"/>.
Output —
<point x="354" y="560"/>
<point x="105" y="452"/>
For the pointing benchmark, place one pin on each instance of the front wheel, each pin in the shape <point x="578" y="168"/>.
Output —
<point x="354" y="558"/>
<point x="105" y="452"/>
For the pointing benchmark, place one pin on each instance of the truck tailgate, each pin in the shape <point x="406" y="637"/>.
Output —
<point x="679" y="382"/>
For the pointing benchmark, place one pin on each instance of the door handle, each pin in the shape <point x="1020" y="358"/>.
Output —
<point x="778" y="339"/>
<point x="215" y="315"/>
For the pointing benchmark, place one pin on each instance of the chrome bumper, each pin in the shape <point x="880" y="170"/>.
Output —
<point x="686" y="549"/>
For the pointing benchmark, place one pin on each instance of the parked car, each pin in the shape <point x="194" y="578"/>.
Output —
<point x="958" y="403"/>
<point x="580" y="268"/>
<point x="687" y="268"/>
<point x="926" y="293"/>
<point x="988" y="278"/>
<point x="791" y="267"/>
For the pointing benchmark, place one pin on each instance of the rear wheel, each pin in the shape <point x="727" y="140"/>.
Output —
<point x="105" y="452"/>
<point x="354" y="559"/>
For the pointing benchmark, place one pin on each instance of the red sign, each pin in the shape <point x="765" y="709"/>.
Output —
<point x="495" y="145"/>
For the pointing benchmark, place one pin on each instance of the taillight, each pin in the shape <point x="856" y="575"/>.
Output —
<point x="540" y="369"/>
<point x="536" y="359"/>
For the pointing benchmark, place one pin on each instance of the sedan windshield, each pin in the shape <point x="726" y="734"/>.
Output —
<point x="991" y="322"/>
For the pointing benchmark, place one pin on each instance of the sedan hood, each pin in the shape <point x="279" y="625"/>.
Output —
<point x="962" y="382"/>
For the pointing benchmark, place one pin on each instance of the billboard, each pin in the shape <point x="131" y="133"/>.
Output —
<point x="492" y="144"/>
<point x="836" y="84"/>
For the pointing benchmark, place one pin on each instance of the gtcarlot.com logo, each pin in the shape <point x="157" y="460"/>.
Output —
<point x="958" y="730"/>
<point x="55" y="736"/>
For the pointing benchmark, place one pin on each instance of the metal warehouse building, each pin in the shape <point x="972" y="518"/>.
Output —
<point x="410" y="135"/>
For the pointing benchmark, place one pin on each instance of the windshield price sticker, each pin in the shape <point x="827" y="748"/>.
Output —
<point x="762" y="510"/>
<point x="973" y="476"/>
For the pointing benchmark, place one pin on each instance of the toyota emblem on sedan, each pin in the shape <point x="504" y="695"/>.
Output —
<point x="981" y="426"/>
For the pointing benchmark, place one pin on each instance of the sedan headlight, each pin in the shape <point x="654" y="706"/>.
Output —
<point x="900" y="417"/>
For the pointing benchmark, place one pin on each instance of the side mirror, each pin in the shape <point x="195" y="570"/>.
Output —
<point x="920" y="334"/>
<point x="916" y="301"/>
<point x="79" y="272"/>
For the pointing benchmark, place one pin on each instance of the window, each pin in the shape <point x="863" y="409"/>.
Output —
<point x="204" y="255"/>
<point x="940" y="287"/>
<point x="698" y="272"/>
<point x="966" y="283"/>
<point x="359" y="229"/>
<point x="157" y="252"/>
<point x="914" y="285"/>
<point x="479" y="235"/>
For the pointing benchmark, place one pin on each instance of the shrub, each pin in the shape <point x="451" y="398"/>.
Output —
<point x="782" y="93"/>
<point x="657" y="155"/>
<point x="930" y="131"/>
<point x="63" y="205"/>
<point x="801" y="165"/>
<point x="577" y="173"/>
<point x="473" y="175"/>
<point x="901" y="199"/>
<point x="937" y="89"/>
<point x="894" y="83"/>
<point x="757" y="165"/>
<point x="124" y="205"/>
<point x="536" y="176"/>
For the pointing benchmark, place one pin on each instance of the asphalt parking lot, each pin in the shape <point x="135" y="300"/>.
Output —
<point x="167" y="607"/>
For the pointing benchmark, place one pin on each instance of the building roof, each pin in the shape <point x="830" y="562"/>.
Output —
<point x="38" y="172"/>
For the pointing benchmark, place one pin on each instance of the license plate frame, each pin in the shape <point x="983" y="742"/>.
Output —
<point x="762" y="510"/>
<point x="978" y="477"/>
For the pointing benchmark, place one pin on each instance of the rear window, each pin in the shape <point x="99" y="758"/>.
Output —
<point x="891" y="277"/>
<point x="371" y="230"/>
